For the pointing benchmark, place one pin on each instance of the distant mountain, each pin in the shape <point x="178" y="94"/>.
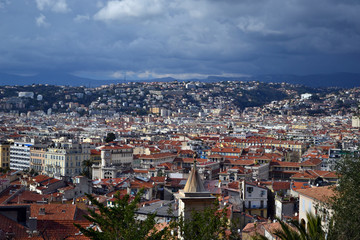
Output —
<point x="52" y="79"/>
<point x="343" y="80"/>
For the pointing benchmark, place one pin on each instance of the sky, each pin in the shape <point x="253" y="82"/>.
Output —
<point x="144" y="39"/>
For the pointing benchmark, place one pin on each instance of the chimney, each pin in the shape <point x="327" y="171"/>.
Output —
<point x="32" y="223"/>
<point x="42" y="211"/>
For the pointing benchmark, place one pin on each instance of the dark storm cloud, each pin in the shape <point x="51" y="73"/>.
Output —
<point x="181" y="38"/>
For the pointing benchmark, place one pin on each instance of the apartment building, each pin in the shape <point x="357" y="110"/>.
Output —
<point x="20" y="154"/>
<point x="37" y="157"/>
<point x="66" y="158"/>
<point x="4" y="154"/>
<point x="254" y="198"/>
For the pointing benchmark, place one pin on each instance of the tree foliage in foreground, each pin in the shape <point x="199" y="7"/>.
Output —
<point x="312" y="231"/>
<point x="346" y="202"/>
<point x="119" y="222"/>
<point x="210" y="224"/>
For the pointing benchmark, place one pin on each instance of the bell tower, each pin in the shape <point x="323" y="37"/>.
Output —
<point x="194" y="196"/>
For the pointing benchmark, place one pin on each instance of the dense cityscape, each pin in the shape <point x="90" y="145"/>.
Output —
<point x="263" y="150"/>
<point x="179" y="120"/>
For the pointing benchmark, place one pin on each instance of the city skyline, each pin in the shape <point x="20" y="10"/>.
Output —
<point x="140" y="39"/>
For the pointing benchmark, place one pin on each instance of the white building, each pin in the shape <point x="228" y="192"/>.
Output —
<point x="254" y="198"/>
<point x="113" y="159"/>
<point x="20" y="155"/>
<point x="355" y="122"/>
<point x="306" y="96"/>
<point x="26" y="94"/>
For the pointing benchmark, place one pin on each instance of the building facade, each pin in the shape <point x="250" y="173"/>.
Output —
<point x="20" y="155"/>
<point x="66" y="158"/>
<point x="254" y="198"/>
<point x="37" y="158"/>
<point x="113" y="159"/>
<point x="4" y="154"/>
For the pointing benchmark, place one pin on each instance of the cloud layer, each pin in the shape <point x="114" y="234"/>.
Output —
<point x="179" y="38"/>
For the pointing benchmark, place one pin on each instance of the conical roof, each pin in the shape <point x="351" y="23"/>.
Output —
<point x="194" y="183"/>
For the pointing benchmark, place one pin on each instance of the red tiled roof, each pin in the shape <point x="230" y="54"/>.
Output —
<point x="319" y="193"/>
<point x="9" y="226"/>
<point x="313" y="174"/>
<point x="299" y="185"/>
<point x="240" y="162"/>
<point x="312" y="162"/>
<point x="226" y="150"/>
<point x="53" y="211"/>
<point x="62" y="229"/>
<point x="284" y="164"/>
<point x="158" y="179"/>
<point x="191" y="160"/>
<point x="277" y="186"/>
<point x="27" y="197"/>
<point x="40" y="178"/>
<point x="140" y="184"/>
<point x="95" y="152"/>
<point x="113" y="147"/>
<point x="157" y="156"/>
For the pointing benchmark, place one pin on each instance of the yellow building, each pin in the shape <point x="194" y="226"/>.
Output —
<point x="4" y="154"/>
<point x="155" y="110"/>
<point x="66" y="158"/>
<point x="37" y="158"/>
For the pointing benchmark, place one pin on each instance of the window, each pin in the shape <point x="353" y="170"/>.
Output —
<point x="249" y="189"/>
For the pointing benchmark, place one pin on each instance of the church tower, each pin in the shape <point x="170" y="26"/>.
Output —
<point x="193" y="197"/>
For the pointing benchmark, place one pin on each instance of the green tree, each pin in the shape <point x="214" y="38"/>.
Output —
<point x="346" y="201"/>
<point x="110" y="137"/>
<point x="119" y="222"/>
<point x="210" y="224"/>
<point x="296" y="231"/>
<point x="87" y="164"/>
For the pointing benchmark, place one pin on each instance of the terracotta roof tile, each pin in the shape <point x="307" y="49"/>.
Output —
<point x="319" y="193"/>
<point x="53" y="211"/>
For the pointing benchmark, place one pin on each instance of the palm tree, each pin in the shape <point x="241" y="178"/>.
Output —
<point x="314" y="230"/>
<point x="87" y="168"/>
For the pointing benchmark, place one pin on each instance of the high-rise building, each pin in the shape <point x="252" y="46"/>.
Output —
<point x="20" y="154"/>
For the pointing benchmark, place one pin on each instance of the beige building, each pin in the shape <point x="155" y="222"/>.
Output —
<point x="4" y="154"/>
<point x="37" y="158"/>
<point x="314" y="200"/>
<point x="355" y="122"/>
<point x="152" y="160"/>
<point x="66" y="158"/>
